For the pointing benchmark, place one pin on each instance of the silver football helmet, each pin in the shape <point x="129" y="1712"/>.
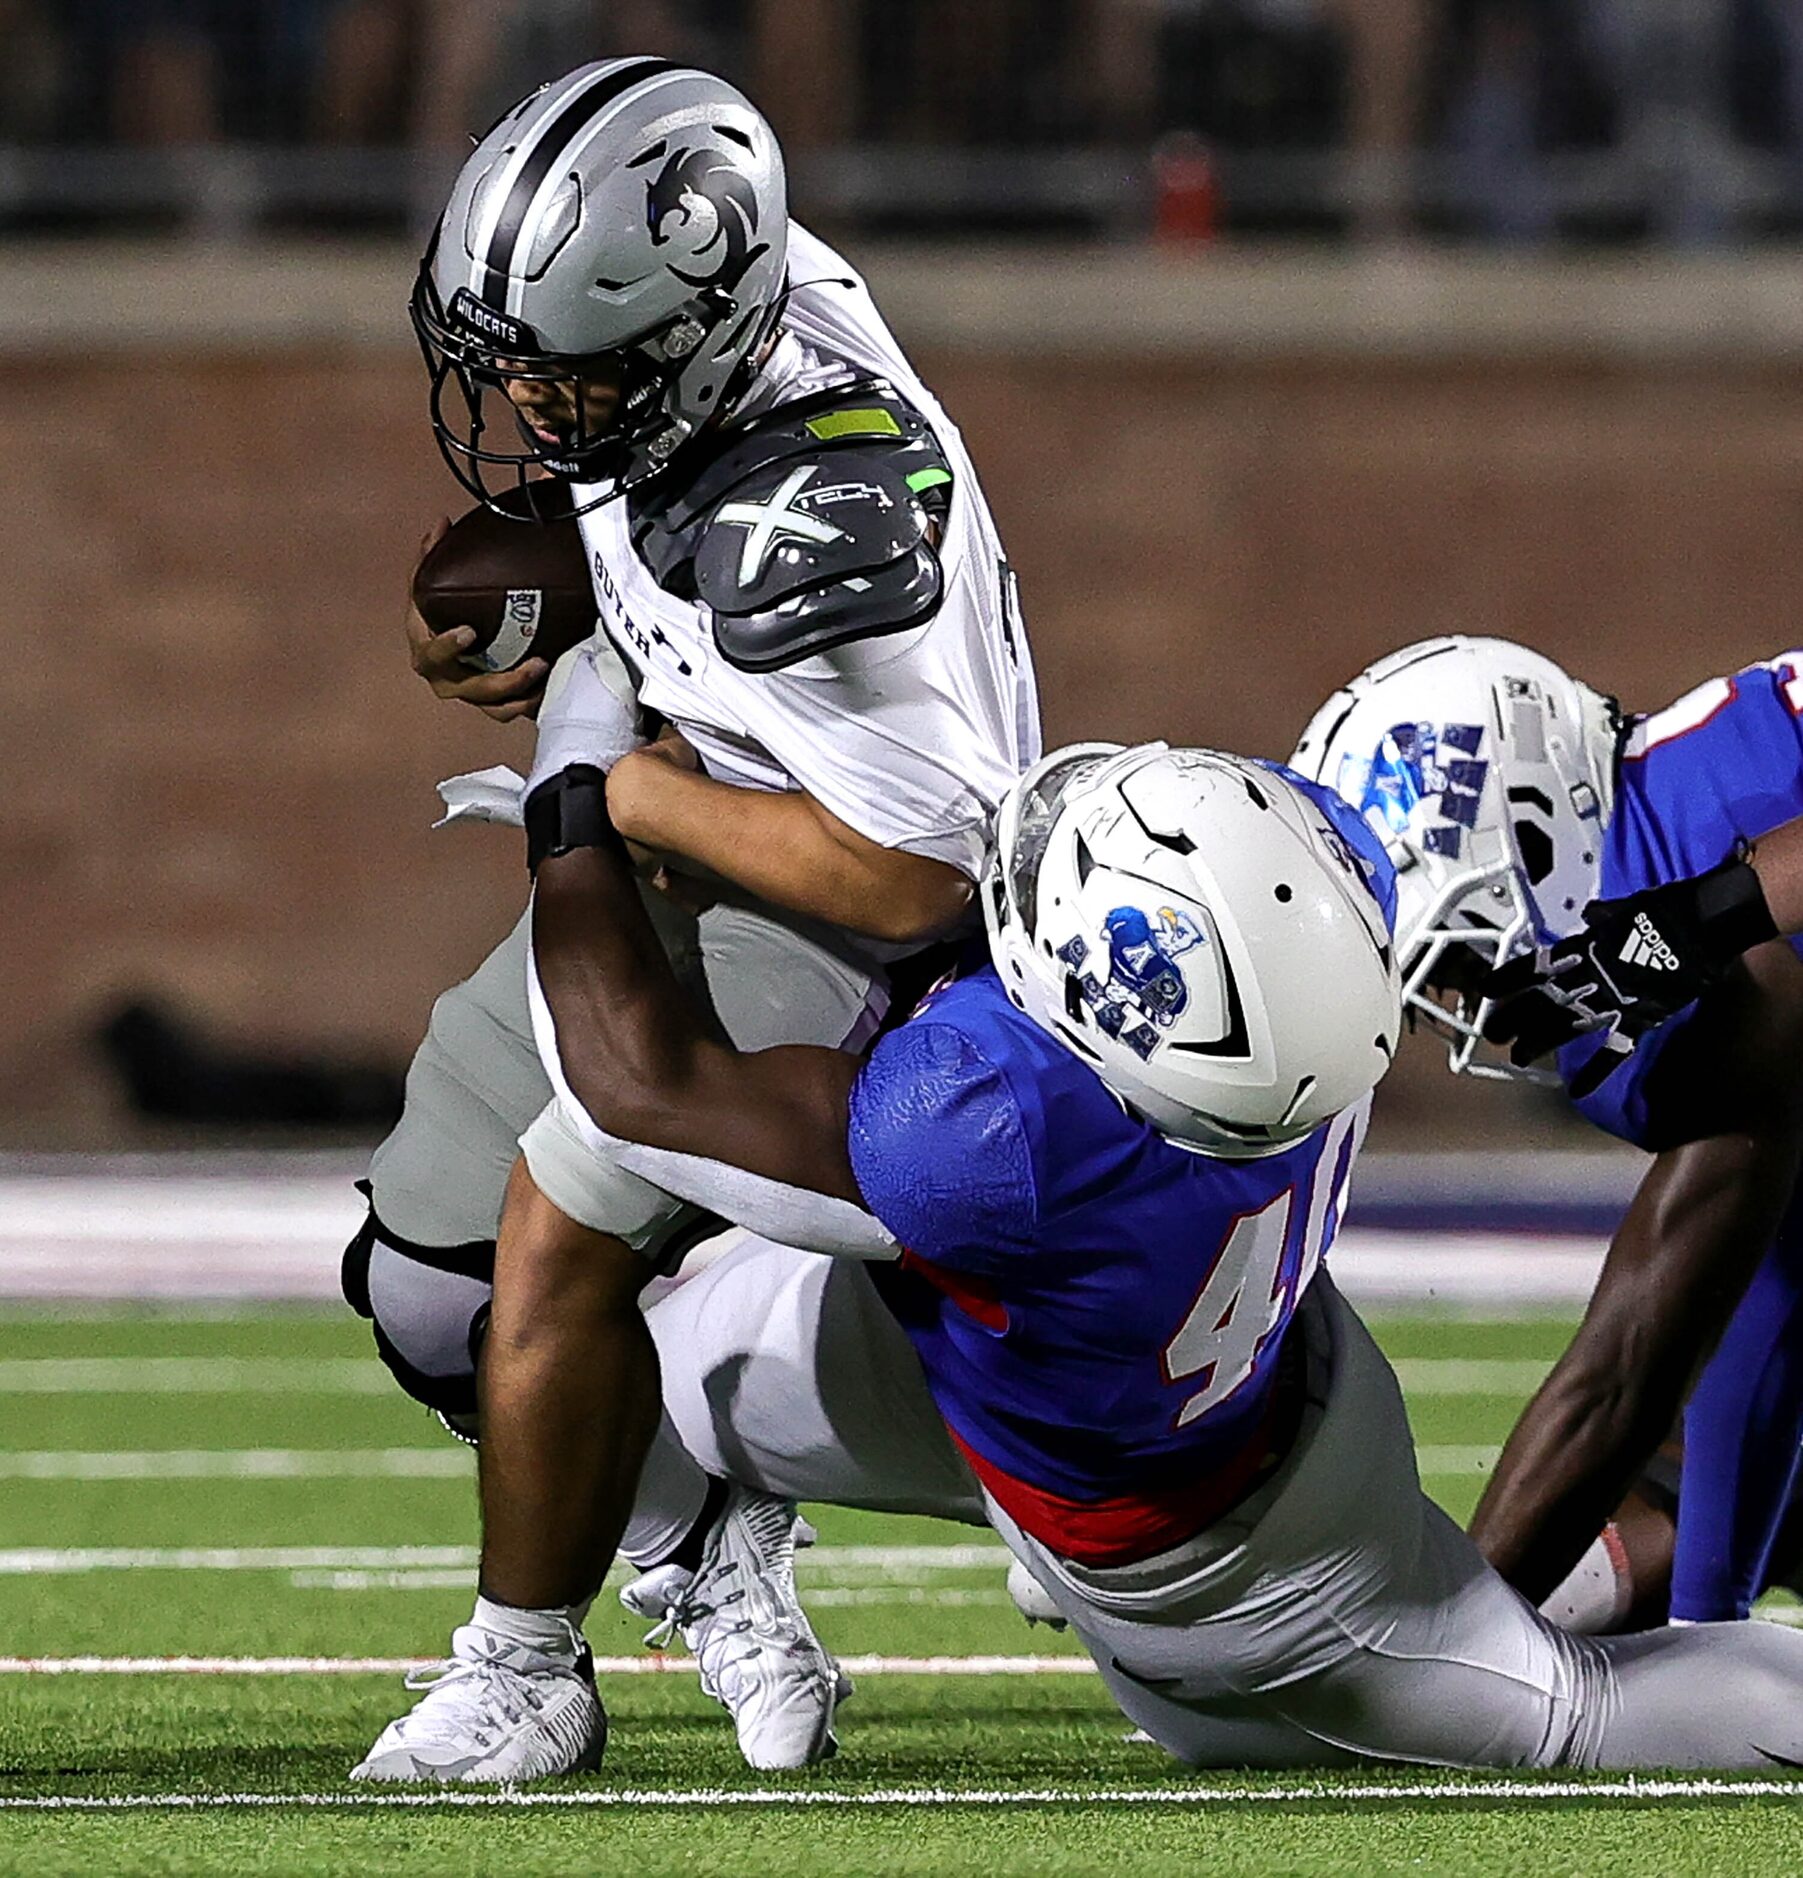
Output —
<point x="1191" y="926"/>
<point x="626" y="226"/>
<point x="1489" y="774"/>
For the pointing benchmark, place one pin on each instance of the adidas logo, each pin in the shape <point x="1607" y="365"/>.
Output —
<point x="1646" y="949"/>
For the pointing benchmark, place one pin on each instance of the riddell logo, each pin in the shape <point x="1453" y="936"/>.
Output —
<point x="1646" y="949"/>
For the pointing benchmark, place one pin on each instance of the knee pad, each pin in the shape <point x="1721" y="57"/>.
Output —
<point x="428" y="1307"/>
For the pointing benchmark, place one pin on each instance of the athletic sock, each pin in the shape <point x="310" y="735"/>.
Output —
<point x="556" y="1632"/>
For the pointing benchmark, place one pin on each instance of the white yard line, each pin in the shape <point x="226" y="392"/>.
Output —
<point x="1347" y="1792"/>
<point x="53" y="1561"/>
<point x="882" y="1561"/>
<point x="650" y="1663"/>
<point x="440" y="1463"/>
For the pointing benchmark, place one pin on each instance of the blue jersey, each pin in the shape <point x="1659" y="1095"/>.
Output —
<point x="1098" y="1311"/>
<point x="1723" y="764"/>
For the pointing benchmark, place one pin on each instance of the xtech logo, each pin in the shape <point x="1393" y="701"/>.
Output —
<point x="1647" y="949"/>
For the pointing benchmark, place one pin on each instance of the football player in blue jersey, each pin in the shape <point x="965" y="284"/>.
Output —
<point x="1094" y="1190"/>
<point x="1627" y="875"/>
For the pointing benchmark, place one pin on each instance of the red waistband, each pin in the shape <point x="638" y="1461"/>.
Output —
<point x="1125" y="1528"/>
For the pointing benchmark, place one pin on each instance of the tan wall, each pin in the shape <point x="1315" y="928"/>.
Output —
<point x="218" y="774"/>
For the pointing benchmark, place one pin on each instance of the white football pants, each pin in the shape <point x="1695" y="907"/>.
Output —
<point x="1336" y="1615"/>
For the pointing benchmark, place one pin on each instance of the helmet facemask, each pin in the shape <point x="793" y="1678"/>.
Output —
<point x="1032" y="814"/>
<point x="625" y="227"/>
<point x="1473" y="922"/>
<point x="468" y="368"/>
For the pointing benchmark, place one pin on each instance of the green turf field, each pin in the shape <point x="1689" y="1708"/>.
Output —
<point x="248" y="1486"/>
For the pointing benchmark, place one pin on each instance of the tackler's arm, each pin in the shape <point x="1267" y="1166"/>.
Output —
<point x="788" y="849"/>
<point x="1777" y="858"/>
<point x="758" y="1137"/>
<point x="1725" y="1099"/>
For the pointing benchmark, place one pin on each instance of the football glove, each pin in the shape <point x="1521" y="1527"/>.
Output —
<point x="1636" y="962"/>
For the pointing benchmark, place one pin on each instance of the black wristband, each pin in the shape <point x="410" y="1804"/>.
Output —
<point x="1732" y="916"/>
<point x="568" y="811"/>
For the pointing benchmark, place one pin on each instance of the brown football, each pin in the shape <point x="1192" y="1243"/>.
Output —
<point x="522" y="584"/>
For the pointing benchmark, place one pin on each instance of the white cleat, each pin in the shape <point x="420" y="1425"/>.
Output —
<point x="1031" y="1598"/>
<point x="756" y="1651"/>
<point x="495" y="1712"/>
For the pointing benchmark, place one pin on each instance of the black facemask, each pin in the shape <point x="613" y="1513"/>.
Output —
<point x="472" y="354"/>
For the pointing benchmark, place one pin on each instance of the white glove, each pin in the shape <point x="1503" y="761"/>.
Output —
<point x="590" y="712"/>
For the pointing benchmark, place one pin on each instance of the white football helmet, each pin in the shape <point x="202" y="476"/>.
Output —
<point x="1193" y="927"/>
<point x="1489" y="773"/>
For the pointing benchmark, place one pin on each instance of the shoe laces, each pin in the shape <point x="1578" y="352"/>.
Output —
<point x="713" y="1610"/>
<point x="475" y="1690"/>
<point x="472" y="1695"/>
<point x="694" y="1607"/>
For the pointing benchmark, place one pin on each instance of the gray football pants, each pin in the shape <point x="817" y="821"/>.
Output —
<point x="476" y="1095"/>
<point x="1337" y="1615"/>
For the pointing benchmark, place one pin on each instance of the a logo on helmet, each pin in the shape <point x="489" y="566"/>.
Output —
<point x="1411" y="764"/>
<point x="501" y="329"/>
<point x="1145" y="990"/>
<point x="1352" y="861"/>
<point x="701" y="199"/>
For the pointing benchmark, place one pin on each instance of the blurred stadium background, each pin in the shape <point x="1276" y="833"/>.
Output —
<point x="1283" y="331"/>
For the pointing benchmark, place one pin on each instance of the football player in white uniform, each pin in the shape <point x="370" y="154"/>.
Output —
<point x="797" y="573"/>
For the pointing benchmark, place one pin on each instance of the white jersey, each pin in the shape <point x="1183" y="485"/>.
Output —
<point x="910" y="738"/>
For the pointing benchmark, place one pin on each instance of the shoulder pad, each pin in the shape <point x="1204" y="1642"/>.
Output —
<point x="669" y="516"/>
<point x="939" y="1147"/>
<point x="866" y="415"/>
<point x="813" y="551"/>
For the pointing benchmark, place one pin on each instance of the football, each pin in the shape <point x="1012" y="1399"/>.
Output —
<point x="522" y="584"/>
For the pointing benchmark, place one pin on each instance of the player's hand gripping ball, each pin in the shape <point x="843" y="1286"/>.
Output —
<point x="522" y="586"/>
